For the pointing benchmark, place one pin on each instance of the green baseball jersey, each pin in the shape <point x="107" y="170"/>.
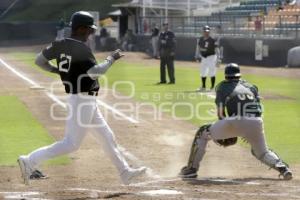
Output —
<point x="239" y="98"/>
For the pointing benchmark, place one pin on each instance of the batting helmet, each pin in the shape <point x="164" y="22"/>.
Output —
<point x="206" y="28"/>
<point x="82" y="18"/>
<point x="232" y="70"/>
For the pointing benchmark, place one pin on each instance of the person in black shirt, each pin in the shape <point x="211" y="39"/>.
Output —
<point x="206" y="51"/>
<point x="104" y="35"/>
<point x="167" y="45"/>
<point x="79" y="72"/>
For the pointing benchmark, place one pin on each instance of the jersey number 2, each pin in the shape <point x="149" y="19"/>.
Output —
<point x="65" y="63"/>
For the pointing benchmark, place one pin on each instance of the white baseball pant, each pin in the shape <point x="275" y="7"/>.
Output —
<point x="208" y="66"/>
<point x="83" y="115"/>
<point x="155" y="49"/>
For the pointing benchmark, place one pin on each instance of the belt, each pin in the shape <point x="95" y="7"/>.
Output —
<point x="90" y="93"/>
<point x="245" y="116"/>
<point x="205" y="56"/>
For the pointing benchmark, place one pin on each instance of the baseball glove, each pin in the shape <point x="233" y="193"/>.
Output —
<point x="227" y="142"/>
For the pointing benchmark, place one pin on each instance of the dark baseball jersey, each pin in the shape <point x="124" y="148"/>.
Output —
<point x="73" y="59"/>
<point x="167" y="43"/>
<point x="207" y="46"/>
<point x="239" y="98"/>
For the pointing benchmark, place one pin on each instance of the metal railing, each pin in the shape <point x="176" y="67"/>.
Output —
<point x="279" y="26"/>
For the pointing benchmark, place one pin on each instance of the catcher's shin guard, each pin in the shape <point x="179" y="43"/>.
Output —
<point x="195" y="148"/>
<point x="272" y="160"/>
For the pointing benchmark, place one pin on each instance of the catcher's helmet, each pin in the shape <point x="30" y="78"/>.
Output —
<point x="82" y="18"/>
<point x="206" y="28"/>
<point x="232" y="70"/>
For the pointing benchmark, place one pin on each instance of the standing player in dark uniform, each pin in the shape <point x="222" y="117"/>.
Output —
<point x="239" y="111"/>
<point x="79" y="73"/>
<point x="167" y="45"/>
<point x="206" y="50"/>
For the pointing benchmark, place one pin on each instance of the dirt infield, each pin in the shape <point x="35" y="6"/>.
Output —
<point x="161" y="145"/>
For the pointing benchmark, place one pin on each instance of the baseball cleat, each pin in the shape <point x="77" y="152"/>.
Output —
<point x="211" y="89"/>
<point x="201" y="89"/>
<point x="286" y="173"/>
<point x="25" y="169"/>
<point x="161" y="82"/>
<point x="188" y="172"/>
<point x="36" y="175"/>
<point x="130" y="174"/>
<point x="284" y="170"/>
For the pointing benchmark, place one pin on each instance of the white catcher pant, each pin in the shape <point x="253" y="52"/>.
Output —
<point x="83" y="115"/>
<point x="249" y="128"/>
<point x="208" y="66"/>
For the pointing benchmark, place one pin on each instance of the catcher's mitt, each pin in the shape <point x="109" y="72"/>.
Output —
<point x="227" y="142"/>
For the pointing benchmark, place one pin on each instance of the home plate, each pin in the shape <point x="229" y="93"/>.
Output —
<point x="161" y="192"/>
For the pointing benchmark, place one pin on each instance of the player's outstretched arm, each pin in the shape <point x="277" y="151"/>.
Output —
<point x="44" y="63"/>
<point x="101" y="68"/>
<point x="221" y="112"/>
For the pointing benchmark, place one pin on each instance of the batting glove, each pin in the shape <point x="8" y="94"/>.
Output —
<point x="117" y="54"/>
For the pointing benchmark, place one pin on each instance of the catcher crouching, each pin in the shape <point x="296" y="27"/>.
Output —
<point x="239" y="112"/>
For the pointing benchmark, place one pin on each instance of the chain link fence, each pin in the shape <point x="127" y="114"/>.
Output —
<point x="277" y="26"/>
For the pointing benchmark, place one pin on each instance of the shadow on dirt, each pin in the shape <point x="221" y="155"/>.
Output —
<point x="115" y="195"/>
<point x="249" y="179"/>
<point x="222" y="181"/>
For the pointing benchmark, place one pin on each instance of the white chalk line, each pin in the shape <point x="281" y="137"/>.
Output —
<point x="62" y="104"/>
<point x="56" y="99"/>
<point x="210" y="95"/>
<point x="23" y="195"/>
<point x="105" y="105"/>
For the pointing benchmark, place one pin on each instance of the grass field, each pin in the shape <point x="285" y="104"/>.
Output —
<point x="281" y="114"/>
<point x="20" y="132"/>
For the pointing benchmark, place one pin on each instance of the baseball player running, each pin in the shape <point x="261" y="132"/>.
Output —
<point x="206" y="51"/>
<point x="79" y="73"/>
<point x="239" y="111"/>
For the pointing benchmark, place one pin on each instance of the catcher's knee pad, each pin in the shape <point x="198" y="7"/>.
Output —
<point x="271" y="159"/>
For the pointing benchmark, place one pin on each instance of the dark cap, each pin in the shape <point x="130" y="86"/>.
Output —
<point x="82" y="18"/>
<point x="232" y="70"/>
